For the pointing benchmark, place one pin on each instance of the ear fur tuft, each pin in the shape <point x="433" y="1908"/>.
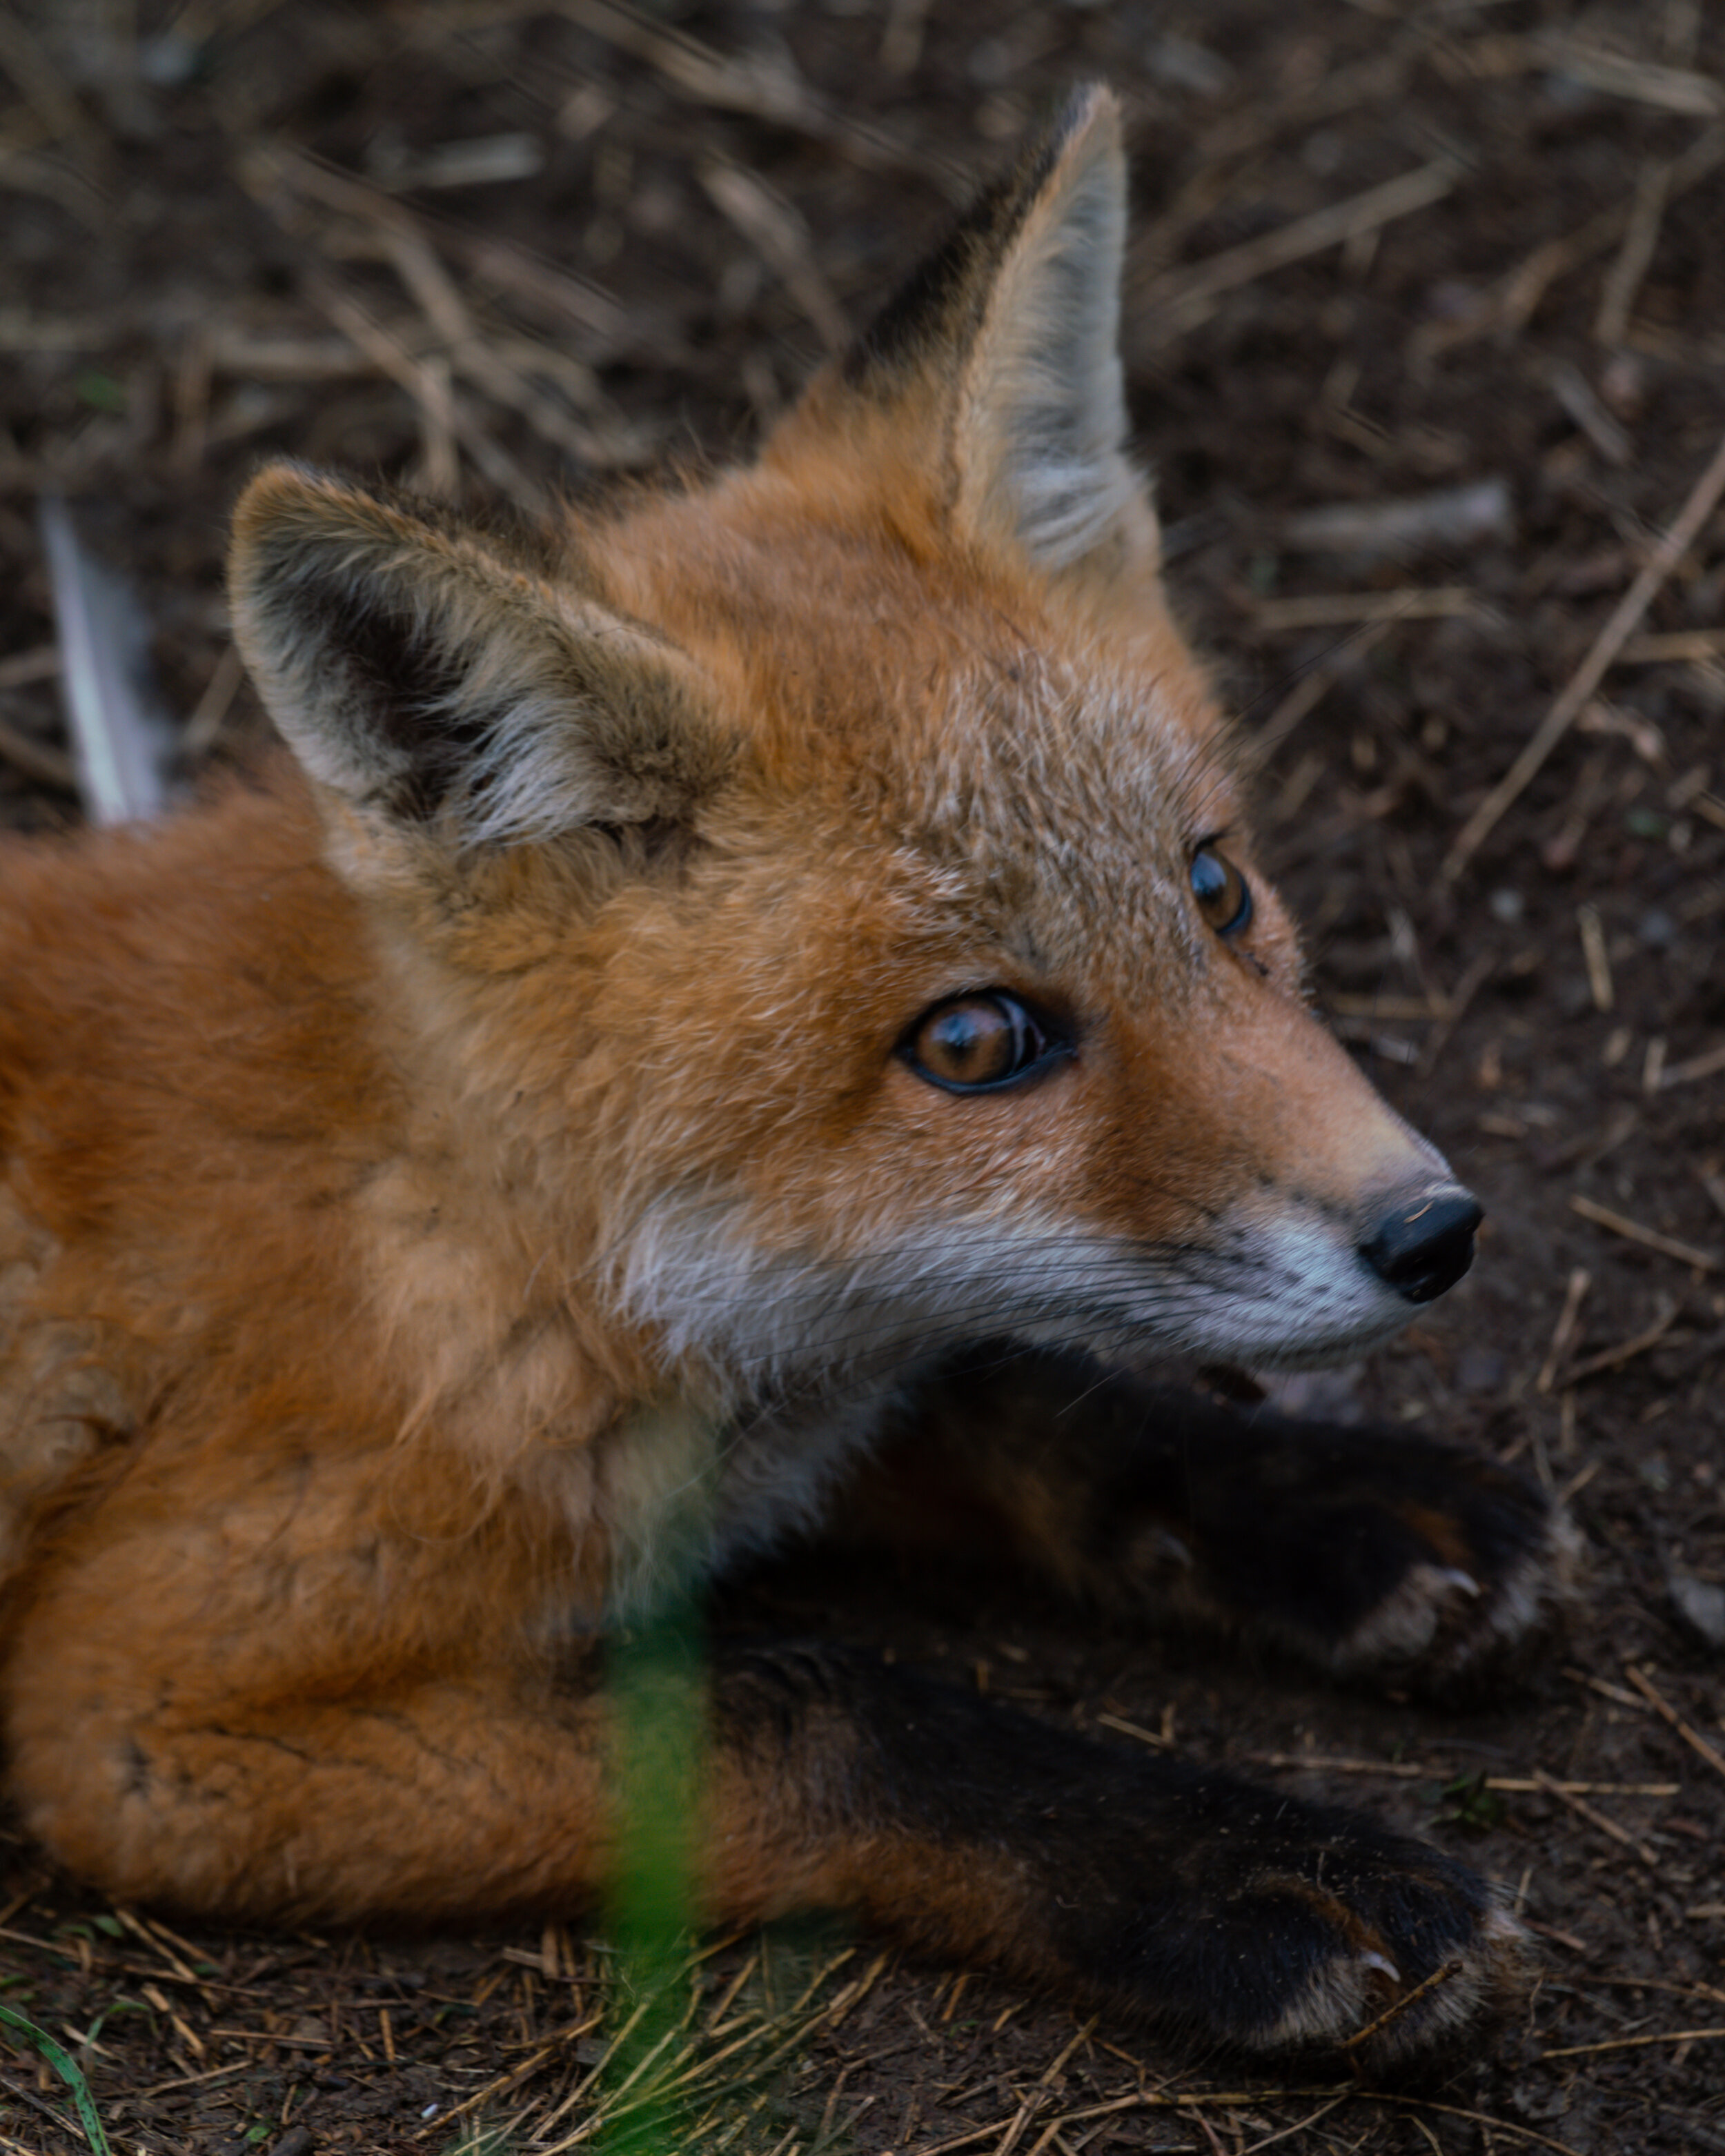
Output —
<point x="431" y="674"/>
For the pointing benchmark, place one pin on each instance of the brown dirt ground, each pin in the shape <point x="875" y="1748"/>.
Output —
<point x="235" y="228"/>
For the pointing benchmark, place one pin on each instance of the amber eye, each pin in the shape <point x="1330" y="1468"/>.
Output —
<point x="1224" y="897"/>
<point x="977" y="1042"/>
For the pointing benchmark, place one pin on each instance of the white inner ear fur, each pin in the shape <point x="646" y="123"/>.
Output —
<point x="1042" y="416"/>
<point x="578" y="713"/>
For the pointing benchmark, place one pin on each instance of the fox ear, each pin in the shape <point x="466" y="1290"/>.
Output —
<point x="430" y="674"/>
<point x="1006" y="340"/>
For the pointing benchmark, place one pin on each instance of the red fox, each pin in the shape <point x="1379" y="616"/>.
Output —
<point x="763" y="992"/>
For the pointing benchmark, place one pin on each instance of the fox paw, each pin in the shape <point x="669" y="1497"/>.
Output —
<point x="1385" y="1993"/>
<point x="1369" y="1552"/>
<point x="1445" y="1627"/>
<point x="1297" y="1928"/>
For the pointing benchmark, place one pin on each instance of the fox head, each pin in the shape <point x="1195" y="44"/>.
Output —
<point x="830" y="883"/>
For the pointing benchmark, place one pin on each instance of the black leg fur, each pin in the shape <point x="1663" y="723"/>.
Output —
<point x="1371" y="1552"/>
<point x="1229" y="1914"/>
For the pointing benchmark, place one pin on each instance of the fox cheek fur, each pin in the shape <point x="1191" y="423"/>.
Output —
<point x="763" y="993"/>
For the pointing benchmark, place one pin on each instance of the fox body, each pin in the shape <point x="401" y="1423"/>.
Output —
<point x="748" y="1005"/>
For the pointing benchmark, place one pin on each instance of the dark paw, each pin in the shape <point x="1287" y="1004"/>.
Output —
<point x="1368" y="1551"/>
<point x="1228" y="1914"/>
<point x="1431" y="1567"/>
<point x="1286" y="1927"/>
<point x="1481" y="1585"/>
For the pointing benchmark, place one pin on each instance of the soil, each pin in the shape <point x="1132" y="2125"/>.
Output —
<point x="508" y="250"/>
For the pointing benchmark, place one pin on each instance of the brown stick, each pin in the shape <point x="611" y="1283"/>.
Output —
<point x="1180" y="299"/>
<point x="1563" y="1332"/>
<point x="1595" y="1817"/>
<point x="1572" y="699"/>
<point x="1625" y="1351"/>
<point x="1631" y="2043"/>
<point x="1649" y="1239"/>
<point x="1441" y="1974"/>
<point x="1661" y="1705"/>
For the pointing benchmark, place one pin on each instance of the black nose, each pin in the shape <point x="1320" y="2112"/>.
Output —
<point x="1423" y="1246"/>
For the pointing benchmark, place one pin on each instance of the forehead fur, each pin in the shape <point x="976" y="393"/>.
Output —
<point x="968" y="713"/>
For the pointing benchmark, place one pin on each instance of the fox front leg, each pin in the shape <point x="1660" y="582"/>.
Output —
<point x="316" y="1759"/>
<point x="1222" y="1913"/>
<point x="1367" y="1551"/>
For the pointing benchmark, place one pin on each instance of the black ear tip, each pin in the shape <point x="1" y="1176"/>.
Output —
<point x="942" y="298"/>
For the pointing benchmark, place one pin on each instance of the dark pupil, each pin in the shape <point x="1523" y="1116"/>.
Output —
<point x="971" y="1042"/>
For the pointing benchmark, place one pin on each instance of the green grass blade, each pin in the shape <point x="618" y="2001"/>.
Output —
<point x="658" y="1693"/>
<point x="69" y="2070"/>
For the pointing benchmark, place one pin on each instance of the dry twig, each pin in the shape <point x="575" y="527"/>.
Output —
<point x="1441" y="1974"/>
<point x="1634" y="2043"/>
<point x="1649" y="1239"/>
<point x="1179" y="299"/>
<point x="1623" y="281"/>
<point x="1662" y="1706"/>
<point x="1338" y="609"/>
<point x="1625" y="1351"/>
<point x="1583" y="1809"/>
<point x="1563" y="1332"/>
<point x="1708" y="1064"/>
<point x="777" y="230"/>
<point x="1670" y="549"/>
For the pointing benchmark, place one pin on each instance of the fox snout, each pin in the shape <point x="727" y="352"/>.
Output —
<point x="1421" y="1245"/>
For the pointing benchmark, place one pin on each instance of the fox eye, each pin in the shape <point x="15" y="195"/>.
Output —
<point x="1224" y="897"/>
<point x="976" y="1042"/>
